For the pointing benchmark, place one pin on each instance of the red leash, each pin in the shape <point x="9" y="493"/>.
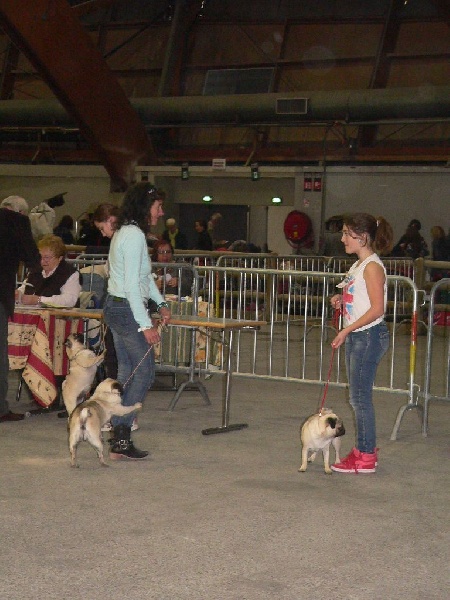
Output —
<point x="328" y="381"/>
<point x="336" y="316"/>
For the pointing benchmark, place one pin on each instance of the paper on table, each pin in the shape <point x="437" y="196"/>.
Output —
<point x="50" y="305"/>
<point x="30" y="306"/>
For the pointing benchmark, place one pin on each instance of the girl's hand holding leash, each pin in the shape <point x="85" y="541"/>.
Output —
<point x="336" y="303"/>
<point x="339" y="339"/>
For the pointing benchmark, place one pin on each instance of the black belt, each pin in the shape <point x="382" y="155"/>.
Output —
<point x="120" y="299"/>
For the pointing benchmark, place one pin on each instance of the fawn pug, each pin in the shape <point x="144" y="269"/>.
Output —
<point x="317" y="433"/>
<point x="87" y="419"/>
<point x="83" y="364"/>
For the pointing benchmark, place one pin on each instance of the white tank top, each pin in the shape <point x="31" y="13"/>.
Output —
<point x="355" y="299"/>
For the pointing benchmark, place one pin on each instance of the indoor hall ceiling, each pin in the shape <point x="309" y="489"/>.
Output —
<point x="199" y="74"/>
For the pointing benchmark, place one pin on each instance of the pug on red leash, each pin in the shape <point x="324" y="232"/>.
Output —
<point x="319" y="432"/>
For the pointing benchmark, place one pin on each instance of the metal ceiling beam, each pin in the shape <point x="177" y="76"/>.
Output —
<point x="52" y="38"/>
<point x="10" y="61"/>
<point x="382" y="65"/>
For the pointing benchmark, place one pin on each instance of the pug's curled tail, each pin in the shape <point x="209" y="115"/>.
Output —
<point x="84" y="416"/>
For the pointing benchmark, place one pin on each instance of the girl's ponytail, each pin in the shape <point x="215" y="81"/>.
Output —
<point x="383" y="241"/>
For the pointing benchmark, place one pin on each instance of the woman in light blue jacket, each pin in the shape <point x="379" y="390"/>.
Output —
<point x="130" y="287"/>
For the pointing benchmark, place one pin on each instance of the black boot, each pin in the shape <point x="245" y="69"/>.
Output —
<point x="123" y="447"/>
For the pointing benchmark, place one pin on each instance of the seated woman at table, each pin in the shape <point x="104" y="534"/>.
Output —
<point x="57" y="283"/>
<point x="168" y="279"/>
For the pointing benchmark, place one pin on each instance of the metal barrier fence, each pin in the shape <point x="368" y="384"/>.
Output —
<point x="295" y="344"/>
<point x="437" y="371"/>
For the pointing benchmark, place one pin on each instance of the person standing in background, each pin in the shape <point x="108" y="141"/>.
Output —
<point x="43" y="216"/>
<point x="365" y="333"/>
<point x="16" y="204"/>
<point x="17" y="245"/>
<point x="415" y="248"/>
<point x="174" y="236"/>
<point x="213" y="229"/>
<point x="204" y="241"/>
<point x="130" y="286"/>
<point x="439" y="249"/>
<point x="64" y="229"/>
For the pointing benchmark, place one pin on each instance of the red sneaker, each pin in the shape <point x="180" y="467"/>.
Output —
<point x="357" y="462"/>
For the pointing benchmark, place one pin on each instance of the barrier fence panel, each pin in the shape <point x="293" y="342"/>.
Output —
<point x="295" y="343"/>
<point x="437" y="359"/>
<point x="394" y="265"/>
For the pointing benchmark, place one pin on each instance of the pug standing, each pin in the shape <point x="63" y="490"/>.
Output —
<point x="318" y="433"/>
<point x="86" y="420"/>
<point x="83" y="364"/>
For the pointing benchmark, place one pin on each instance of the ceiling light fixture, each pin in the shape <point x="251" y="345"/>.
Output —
<point x="185" y="170"/>
<point x="255" y="171"/>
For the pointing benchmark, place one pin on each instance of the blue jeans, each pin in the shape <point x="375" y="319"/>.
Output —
<point x="131" y="346"/>
<point x="363" y="352"/>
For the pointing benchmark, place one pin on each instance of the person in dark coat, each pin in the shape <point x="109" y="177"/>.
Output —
<point x="17" y="246"/>
<point x="174" y="236"/>
<point x="411" y="244"/>
<point x="64" y="229"/>
<point x="204" y="241"/>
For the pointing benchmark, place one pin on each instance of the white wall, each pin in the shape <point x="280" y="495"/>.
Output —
<point x="86" y="187"/>
<point x="397" y="193"/>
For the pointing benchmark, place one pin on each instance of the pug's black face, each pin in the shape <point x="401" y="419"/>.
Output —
<point x="74" y="337"/>
<point x="116" y="386"/>
<point x="337" y="425"/>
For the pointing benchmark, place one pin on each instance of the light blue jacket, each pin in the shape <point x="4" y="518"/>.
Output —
<point x="130" y="273"/>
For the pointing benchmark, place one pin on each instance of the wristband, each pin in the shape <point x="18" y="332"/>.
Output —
<point x="163" y="304"/>
<point x="145" y="327"/>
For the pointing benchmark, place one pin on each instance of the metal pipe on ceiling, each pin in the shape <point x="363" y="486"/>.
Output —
<point x="349" y="106"/>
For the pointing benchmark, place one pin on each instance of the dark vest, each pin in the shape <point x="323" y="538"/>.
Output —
<point x="50" y="286"/>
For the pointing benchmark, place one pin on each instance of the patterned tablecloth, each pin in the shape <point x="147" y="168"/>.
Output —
<point x="36" y="345"/>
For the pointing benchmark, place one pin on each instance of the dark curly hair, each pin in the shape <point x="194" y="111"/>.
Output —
<point x="136" y="205"/>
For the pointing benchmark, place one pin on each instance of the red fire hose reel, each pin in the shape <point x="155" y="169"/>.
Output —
<point x="298" y="230"/>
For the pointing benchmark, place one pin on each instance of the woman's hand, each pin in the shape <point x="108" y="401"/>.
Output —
<point x="165" y="315"/>
<point x="152" y="336"/>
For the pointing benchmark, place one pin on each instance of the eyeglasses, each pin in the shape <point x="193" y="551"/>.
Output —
<point x="47" y="256"/>
<point x="164" y="252"/>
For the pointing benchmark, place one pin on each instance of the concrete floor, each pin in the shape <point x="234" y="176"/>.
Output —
<point x="228" y="516"/>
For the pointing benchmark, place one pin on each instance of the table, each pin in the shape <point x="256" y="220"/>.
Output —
<point x="36" y="344"/>
<point x="224" y="325"/>
<point x="175" y="346"/>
